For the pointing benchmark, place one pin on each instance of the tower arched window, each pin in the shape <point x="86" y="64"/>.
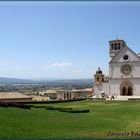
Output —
<point x="118" y="46"/>
<point x="97" y="79"/>
<point x="115" y="46"/>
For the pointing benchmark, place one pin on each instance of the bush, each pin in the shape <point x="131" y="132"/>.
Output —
<point x="79" y="111"/>
<point x="19" y="105"/>
<point x="52" y="108"/>
<point x="3" y="104"/>
<point x="65" y="109"/>
<point x="12" y="104"/>
<point x="58" y="108"/>
<point x="71" y="110"/>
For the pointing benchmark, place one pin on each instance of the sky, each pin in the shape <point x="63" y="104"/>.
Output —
<point x="63" y="40"/>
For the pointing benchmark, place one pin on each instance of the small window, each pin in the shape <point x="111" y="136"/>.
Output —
<point x="115" y="46"/>
<point x="118" y="46"/>
<point x="125" y="57"/>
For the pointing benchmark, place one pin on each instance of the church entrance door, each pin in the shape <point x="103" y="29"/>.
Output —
<point x="126" y="88"/>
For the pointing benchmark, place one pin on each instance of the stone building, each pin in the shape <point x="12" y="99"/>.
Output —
<point x="63" y="94"/>
<point x="124" y="72"/>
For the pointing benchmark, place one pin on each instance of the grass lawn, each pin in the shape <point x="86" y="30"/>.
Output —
<point x="105" y="117"/>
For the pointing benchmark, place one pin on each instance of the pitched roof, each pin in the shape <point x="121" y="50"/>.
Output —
<point x="126" y="47"/>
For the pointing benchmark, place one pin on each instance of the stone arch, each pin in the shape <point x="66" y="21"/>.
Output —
<point x="116" y="46"/>
<point x="97" y="79"/>
<point x="130" y="91"/>
<point x="126" y="88"/>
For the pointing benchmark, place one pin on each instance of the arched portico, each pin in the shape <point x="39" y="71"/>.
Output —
<point x="126" y="88"/>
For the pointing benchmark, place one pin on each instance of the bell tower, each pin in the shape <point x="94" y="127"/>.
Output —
<point x="115" y="47"/>
<point x="98" y="77"/>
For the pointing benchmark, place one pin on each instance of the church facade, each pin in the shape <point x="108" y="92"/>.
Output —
<point x="124" y="72"/>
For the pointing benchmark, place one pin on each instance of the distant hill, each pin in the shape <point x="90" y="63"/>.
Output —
<point x="5" y="80"/>
<point x="71" y="82"/>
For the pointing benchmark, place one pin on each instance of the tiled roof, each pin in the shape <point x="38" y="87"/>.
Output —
<point x="5" y="95"/>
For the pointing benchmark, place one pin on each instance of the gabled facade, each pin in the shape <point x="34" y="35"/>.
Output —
<point x="124" y="72"/>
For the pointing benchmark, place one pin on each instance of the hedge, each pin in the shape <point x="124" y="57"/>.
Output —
<point x="70" y="110"/>
<point x="78" y="111"/>
<point x="49" y="102"/>
<point x="52" y="108"/>
<point x="12" y="104"/>
<point x="3" y="104"/>
<point x="65" y="109"/>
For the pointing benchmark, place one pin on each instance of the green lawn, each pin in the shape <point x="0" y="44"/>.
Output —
<point x="104" y="116"/>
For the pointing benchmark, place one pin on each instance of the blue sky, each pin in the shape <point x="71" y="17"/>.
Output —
<point x="63" y="40"/>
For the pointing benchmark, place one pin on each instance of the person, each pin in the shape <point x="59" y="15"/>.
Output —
<point x="112" y="97"/>
<point x="103" y="95"/>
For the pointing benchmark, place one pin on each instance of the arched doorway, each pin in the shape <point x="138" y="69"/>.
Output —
<point x="126" y="88"/>
<point x="130" y="91"/>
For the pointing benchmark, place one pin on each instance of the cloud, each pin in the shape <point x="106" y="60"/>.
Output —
<point x="20" y="67"/>
<point x="77" y="72"/>
<point x="59" y="66"/>
<point x="3" y="63"/>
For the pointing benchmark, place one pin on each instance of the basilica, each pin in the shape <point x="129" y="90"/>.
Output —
<point x="124" y="72"/>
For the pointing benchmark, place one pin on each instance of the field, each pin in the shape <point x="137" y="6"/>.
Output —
<point x="105" y="119"/>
